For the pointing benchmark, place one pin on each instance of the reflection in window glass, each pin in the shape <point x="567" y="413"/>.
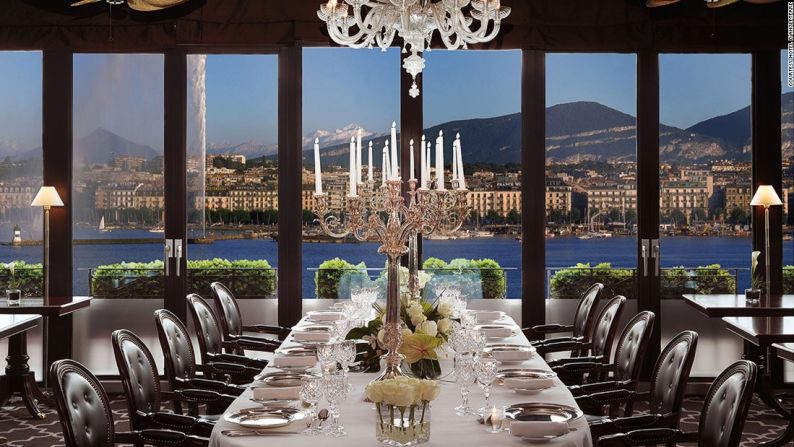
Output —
<point x="20" y="169"/>
<point x="591" y="173"/>
<point x="787" y="129"/>
<point x="232" y="173"/>
<point x="477" y="94"/>
<point x="117" y="185"/>
<point x="345" y="91"/>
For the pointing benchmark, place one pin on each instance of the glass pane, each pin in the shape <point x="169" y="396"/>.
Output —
<point x="20" y="172"/>
<point x="476" y="94"/>
<point x="787" y="129"/>
<point x="232" y="176"/>
<point x="591" y="175"/>
<point x="360" y="93"/>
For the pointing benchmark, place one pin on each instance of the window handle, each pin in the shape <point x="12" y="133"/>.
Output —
<point x="178" y="255"/>
<point x="168" y="253"/>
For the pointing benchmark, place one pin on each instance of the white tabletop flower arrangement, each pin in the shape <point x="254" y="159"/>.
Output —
<point x="403" y="409"/>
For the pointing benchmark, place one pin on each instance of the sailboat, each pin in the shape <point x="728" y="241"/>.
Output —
<point x="102" y="227"/>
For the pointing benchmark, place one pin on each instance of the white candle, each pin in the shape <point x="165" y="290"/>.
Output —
<point x="394" y="160"/>
<point x="353" y="179"/>
<point x="461" y="174"/>
<point x="440" y="161"/>
<point x="429" y="161"/>
<point x="454" y="162"/>
<point x="422" y="165"/>
<point x="369" y="161"/>
<point x="318" y="182"/>
<point x="359" y="164"/>
<point x="386" y="165"/>
<point x="412" y="170"/>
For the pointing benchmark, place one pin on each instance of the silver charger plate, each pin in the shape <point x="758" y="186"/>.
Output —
<point x="542" y="412"/>
<point x="508" y="347"/>
<point x="263" y="419"/>
<point x="313" y="328"/>
<point x="274" y="404"/>
<point x="286" y="379"/>
<point x="524" y="373"/>
<point x="297" y="351"/>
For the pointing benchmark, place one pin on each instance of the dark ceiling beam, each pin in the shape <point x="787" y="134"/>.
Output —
<point x="548" y="25"/>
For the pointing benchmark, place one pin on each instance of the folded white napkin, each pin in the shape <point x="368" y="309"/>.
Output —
<point x="524" y="383"/>
<point x="272" y="393"/>
<point x="325" y="316"/>
<point x="284" y="361"/>
<point x="511" y="356"/>
<point x="311" y="336"/>
<point x="538" y="429"/>
<point x="497" y="332"/>
<point x="485" y="316"/>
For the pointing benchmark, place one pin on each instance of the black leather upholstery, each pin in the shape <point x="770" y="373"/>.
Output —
<point x="632" y="345"/>
<point x="83" y="406"/>
<point x="180" y="360"/>
<point x="207" y="328"/>
<point x="606" y="327"/>
<point x="583" y="319"/>
<point x="726" y="406"/>
<point x="138" y="373"/>
<point x="231" y="319"/>
<point x="671" y="372"/>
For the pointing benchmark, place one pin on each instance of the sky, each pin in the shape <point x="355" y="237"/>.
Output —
<point x="124" y="93"/>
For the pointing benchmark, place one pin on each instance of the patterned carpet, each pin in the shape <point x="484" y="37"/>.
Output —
<point x="22" y="431"/>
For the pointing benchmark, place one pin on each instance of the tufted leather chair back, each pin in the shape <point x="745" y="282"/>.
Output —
<point x="207" y="328"/>
<point x="671" y="372"/>
<point x="83" y="405"/>
<point x="606" y="327"/>
<point x="180" y="360"/>
<point x="231" y="320"/>
<point x="726" y="406"/>
<point x="584" y="317"/>
<point x="632" y="344"/>
<point x="138" y="374"/>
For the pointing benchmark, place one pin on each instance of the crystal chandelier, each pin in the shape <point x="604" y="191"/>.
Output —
<point x="377" y="22"/>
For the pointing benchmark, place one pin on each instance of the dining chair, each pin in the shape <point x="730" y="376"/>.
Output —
<point x="721" y="419"/>
<point x="143" y="393"/>
<point x="668" y="383"/>
<point x="231" y="319"/>
<point x="581" y="327"/>
<point x="598" y="349"/>
<point x="180" y="362"/>
<point x="624" y="371"/>
<point x="86" y="418"/>
<point x="211" y="342"/>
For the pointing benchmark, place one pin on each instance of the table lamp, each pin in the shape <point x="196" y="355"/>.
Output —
<point x="766" y="196"/>
<point x="46" y="198"/>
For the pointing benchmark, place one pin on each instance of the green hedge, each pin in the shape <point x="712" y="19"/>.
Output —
<point x="788" y="279"/>
<point x="29" y="277"/>
<point x="490" y="276"/>
<point x="333" y="278"/>
<point x="246" y="278"/>
<point x="570" y="282"/>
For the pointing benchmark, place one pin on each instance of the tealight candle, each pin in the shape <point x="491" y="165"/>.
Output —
<point x="494" y="418"/>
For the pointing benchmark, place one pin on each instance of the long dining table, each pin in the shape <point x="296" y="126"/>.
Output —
<point x="358" y="416"/>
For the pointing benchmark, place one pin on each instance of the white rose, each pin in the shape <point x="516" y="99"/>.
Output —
<point x="428" y="327"/>
<point x="374" y="392"/>
<point x="444" y="325"/>
<point x="428" y="390"/>
<point x="405" y="332"/>
<point x="406" y="395"/>
<point x="445" y="308"/>
<point x="390" y="390"/>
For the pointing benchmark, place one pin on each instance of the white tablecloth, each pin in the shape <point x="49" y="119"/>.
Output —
<point x="358" y="417"/>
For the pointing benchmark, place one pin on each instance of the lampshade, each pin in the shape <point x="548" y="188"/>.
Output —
<point x="765" y="195"/>
<point x="47" y="196"/>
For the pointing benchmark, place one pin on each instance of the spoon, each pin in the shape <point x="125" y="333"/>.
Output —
<point x="236" y="433"/>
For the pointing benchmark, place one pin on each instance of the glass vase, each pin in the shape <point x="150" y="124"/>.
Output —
<point x="402" y="426"/>
<point x="14" y="297"/>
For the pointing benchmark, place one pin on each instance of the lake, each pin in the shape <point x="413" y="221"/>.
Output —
<point x="729" y="252"/>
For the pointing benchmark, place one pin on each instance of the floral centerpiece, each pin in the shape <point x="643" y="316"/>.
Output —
<point x="425" y="328"/>
<point x="403" y="407"/>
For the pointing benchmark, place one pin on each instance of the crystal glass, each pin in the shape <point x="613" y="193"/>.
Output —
<point x="464" y="377"/>
<point x="340" y="329"/>
<point x="326" y="355"/>
<point x="335" y="393"/>
<point x="485" y="368"/>
<point x="311" y="392"/>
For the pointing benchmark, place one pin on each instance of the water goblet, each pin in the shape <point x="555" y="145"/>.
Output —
<point x="339" y="329"/>
<point x="335" y="393"/>
<point x="311" y="391"/>
<point x="464" y="377"/>
<point x="485" y="368"/>
<point x="326" y="356"/>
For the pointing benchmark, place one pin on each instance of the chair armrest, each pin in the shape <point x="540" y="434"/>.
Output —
<point x="186" y="424"/>
<point x="650" y="436"/>
<point x="578" y="368"/>
<point x="549" y="328"/>
<point x="618" y="396"/>
<point x="281" y="331"/>
<point x="597" y="387"/>
<point x="252" y="345"/>
<point x="567" y="360"/>
<point x="209" y="384"/>
<point x="160" y="438"/>
<point x="200" y="396"/>
<point x="234" y="359"/>
<point x="562" y="346"/>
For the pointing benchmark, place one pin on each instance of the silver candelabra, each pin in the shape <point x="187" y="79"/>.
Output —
<point x="382" y="214"/>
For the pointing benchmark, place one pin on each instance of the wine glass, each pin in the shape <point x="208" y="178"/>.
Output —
<point x="335" y="393"/>
<point x="339" y="329"/>
<point x="485" y="368"/>
<point x="464" y="377"/>
<point x="326" y="355"/>
<point x="311" y="392"/>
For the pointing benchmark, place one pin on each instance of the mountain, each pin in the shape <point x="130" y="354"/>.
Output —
<point x="101" y="146"/>
<point x="249" y="149"/>
<point x="338" y="136"/>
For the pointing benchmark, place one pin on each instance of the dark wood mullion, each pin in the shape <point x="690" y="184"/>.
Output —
<point x="767" y="158"/>
<point x="174" y="165"/>
<point x="290" y="161"/>
<point x="411" y="126"/>
<point x="533" y="189"/>
<point x="647" y="283"/>
<point x="57" y="172"/>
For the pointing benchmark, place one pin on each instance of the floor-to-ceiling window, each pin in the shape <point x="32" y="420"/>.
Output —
<point x="475" y="95"/>
<point x="347" y="93"/>
<point x="787" y="139"/>
<point x="232" y="173"/>
<point x="591" y="173"/>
